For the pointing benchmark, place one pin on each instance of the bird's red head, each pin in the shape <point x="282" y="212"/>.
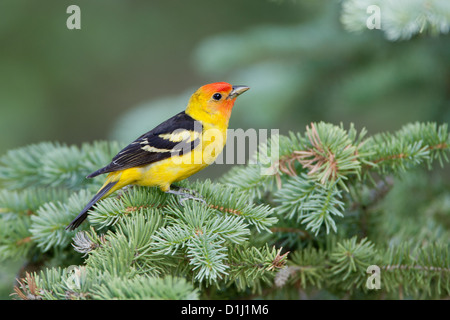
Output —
<point x="215" y="99"/>
<point x="219" y="87"/>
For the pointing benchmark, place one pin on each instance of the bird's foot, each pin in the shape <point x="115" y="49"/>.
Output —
<point x="123" y="190"/>
<point x="185" y="194"/>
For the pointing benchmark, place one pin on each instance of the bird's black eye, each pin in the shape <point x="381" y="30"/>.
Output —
<point x="217" y="96"/>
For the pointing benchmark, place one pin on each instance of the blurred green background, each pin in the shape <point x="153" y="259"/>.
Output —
<point x="134" y="63"/>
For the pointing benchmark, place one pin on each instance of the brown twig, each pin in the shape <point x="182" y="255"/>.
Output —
<point x="440" y="146"/>
<point x="226" y="210"/>
<point x="312" y="159"/>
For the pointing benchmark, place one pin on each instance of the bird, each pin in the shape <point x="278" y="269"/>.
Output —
<point x="174" y="150"/>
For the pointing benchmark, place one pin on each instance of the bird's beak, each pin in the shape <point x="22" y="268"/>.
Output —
<point x="237" y="90"/>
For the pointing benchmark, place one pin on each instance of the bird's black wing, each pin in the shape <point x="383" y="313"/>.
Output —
<point x="175" y="136"/>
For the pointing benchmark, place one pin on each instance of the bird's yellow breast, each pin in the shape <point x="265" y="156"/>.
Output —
<point x="178" y="167"/>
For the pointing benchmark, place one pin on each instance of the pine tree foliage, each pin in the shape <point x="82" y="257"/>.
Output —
<point x="53" y="164"/>
<point x="313" y="192"/>
<point x="317" y="222"/>
<point x="399" y="20"/>
<point x="419" y="272"/>
<point x="311" y="203"/>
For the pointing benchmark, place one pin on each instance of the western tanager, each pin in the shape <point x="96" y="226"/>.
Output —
<point x="175" y="149"/>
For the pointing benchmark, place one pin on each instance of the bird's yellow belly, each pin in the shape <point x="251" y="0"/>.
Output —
<point x="176" y="168"/>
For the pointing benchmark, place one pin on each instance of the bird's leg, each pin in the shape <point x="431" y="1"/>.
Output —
<point x="185" y="194"/>
<point x="185" y="190"/>
<point x="123" y="190"/>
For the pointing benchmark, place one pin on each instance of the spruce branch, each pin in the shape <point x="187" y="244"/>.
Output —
<point x="250" y="180"/>
<point x="330" y="154"/>
<point x="408" y="147"/>
<point x="85" y="242"/>
<point x="310" y="203"/>
<point x="141" y="236"/>
<point x="133" y="201"/>
<point x="48" y="225"/>
<point x="420" y="270"/>
<point x="343" y="264"/>
<point x="399" y="20"/>
<point x="253" y="267"/>
<point x="307" y="267"/>
<point x="16" y="241"/>
<point x="26" y="289"/>
<point x="20" y="168"/>
<point x="197" y="229"/>
<point x="49" y="164"/>
<point x="143" y="287"/>
<point x="350" y="260"/>
<point x="230" y="200"/>
<point x="207" y="254"/>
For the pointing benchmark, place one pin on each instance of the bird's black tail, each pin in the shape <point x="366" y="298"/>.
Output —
<point x="83" y="214"/>
<point x="99" y="172"/>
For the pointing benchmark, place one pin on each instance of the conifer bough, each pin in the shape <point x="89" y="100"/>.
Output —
<point x="313" y="227"/>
